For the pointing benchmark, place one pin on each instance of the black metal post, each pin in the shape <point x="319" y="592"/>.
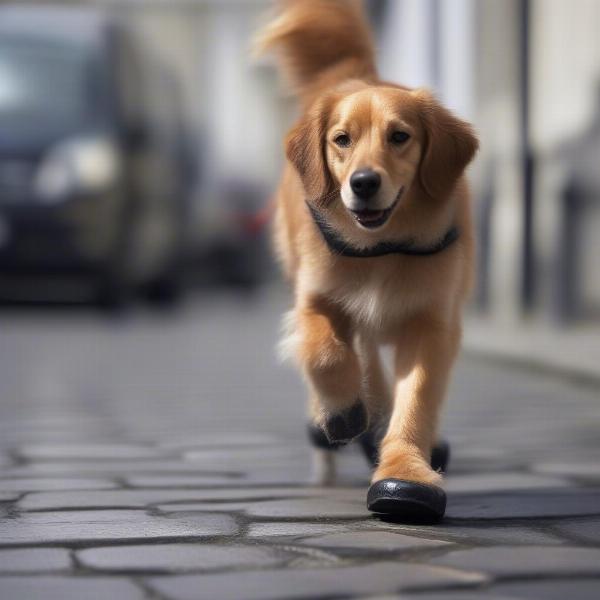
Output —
<point x="528" y="275"/>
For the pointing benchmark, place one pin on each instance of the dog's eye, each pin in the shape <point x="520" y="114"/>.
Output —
<point x="342" y="140"/>
<point x="399" y="137"/>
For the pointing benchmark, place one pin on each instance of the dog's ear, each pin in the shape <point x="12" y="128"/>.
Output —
<point x="305" y="149"/>
<point x="450" y="145"/>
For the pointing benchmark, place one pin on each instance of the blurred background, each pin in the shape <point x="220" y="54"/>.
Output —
<point x="140" y="144"/>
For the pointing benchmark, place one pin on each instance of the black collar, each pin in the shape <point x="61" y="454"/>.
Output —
<point x="339" y="246"/>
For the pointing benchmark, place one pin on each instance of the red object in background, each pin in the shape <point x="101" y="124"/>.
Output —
<point x="254" y="223"/>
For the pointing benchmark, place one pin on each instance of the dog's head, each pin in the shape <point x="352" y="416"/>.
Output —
<point x="379" y="148"/>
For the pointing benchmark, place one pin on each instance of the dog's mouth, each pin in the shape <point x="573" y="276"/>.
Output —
<point x="372" y="219"/>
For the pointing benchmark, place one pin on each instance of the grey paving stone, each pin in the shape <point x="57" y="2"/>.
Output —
<point x="286" y="528"/>
<point x="584" y="469"/>
<point x="507" y="561"/>
<point x="9" y="496"/>
<point x="252" y="455"/>
<point x="141" y="498"/>
<point x="478" y="594"/>
<point x="288" y="584"/>
<point x="80" y="451"/>
<point x="573" y="589"/>
<point x="89" y="526"/>
<point x="63" y="588"/>
<point x="229" y="507"/>
<point x="490" y="482"/>
<point x="587" y="531"/>
<point x="110" y="467"/>
<point x="314" y="508"/>
<point x="223" y="439"/>
<point x="34" y="560"/>
<point x="372" y="540"/>
<point x="278" y="475"/>
<point x="181" y="481"/>
<point x="177" y="557"/>
<point x="54" y="483"/>
<point x="518" y="534"/>
<point x="524" y="504"/>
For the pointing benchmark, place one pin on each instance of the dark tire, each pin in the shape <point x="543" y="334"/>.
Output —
<point x="166" y="291"/>
<point x="113" y="294"/>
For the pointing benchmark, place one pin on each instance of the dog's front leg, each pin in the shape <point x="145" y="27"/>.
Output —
<point x="424" y="358"/>
<point x="332" y="369"/>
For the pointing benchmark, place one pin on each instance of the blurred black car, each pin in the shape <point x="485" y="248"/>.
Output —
<point x="94" y="162"/>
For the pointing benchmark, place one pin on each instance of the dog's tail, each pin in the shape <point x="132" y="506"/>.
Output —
<point x="319" y="43"/>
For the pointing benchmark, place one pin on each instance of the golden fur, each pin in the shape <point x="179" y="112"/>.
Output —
<point x="345" y="308"/>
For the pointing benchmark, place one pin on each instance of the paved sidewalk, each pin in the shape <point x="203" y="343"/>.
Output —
<point x="165" y="459"/>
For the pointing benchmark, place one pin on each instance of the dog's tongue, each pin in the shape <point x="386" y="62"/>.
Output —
<point x="366" y="216"/>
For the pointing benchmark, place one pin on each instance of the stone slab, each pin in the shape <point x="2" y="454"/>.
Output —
<point x="454" y="531"/>
<point x="490" y="482"/>
<point x="9" y="496"/>
<point x="89" y="526"/>
<point x="571" y="589"/>
<point x="63" y="588"/>
<point x="287" y="528"/>
<point x="295" y="584"/>
<point x="40" y="484"/>
<point x="523" y="504"/>
<point x="583" y="531"/>
<point x="111" y="468"/>
<point x="183" y="481"/>
<point x="34" y="560"/>
<point x="379" y="541"/>
<point x="92" y="451"/>
<point x="192" y="507"/>
<point x="177" y="557"/>
<point x="312" y="508"/>
<point x="521" y="561"/>
<point x="583" y="469"/>
<point x="142" y="498"/>
<point x="223" y="439"/>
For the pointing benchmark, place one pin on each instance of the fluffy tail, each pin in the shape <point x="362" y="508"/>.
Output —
<point x="319" y="43"/>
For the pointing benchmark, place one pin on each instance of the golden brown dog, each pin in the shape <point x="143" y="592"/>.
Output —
<point x="373" y="228"/>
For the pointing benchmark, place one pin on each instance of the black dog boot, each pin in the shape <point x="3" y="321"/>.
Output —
<point x="407" y="501"/>
<point x="340" y="428"/>
<point x="369" y="444"/>
<point x="319" y="440"/>
<point x="440" y="456"/>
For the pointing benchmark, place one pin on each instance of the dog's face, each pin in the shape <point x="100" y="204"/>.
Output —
<point x="372" y="146"/>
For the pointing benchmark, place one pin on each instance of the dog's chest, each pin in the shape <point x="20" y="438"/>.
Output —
<point x="379" y="302"/>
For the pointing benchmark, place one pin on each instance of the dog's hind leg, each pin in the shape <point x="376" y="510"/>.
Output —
<point x="324" y="457"/>
<point x="376" y="388"/>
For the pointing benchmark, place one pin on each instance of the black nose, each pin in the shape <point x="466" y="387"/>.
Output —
<point x="365" y="183"/>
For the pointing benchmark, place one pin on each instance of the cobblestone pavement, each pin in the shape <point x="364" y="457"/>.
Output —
<point x="164" y="458"/>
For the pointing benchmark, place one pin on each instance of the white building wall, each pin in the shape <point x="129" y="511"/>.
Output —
<point x="565" y="81"/>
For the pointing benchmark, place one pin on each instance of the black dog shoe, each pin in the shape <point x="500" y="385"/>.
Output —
<point x="407" y="501"/>
<point x="440" y="456"/>
<point x="318" y="439"/>
<point x="369" y="443"/>
<point x="344" y="426"/>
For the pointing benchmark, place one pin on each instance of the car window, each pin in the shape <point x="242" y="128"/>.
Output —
<point x="46" y="84"/>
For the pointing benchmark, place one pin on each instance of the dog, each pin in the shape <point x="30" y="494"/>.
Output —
<point x="373" y="229"/>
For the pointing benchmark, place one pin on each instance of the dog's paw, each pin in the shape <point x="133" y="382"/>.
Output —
<point x="344" y="426"/>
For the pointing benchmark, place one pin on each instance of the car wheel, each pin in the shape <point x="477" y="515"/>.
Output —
<point x="113" y="292"/>
<point x="166" y="291"/>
